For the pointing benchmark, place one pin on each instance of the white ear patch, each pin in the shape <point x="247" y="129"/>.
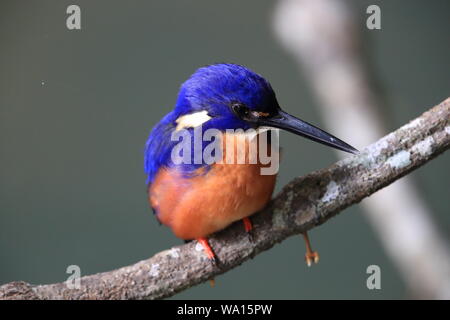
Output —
<point x="192" y="120"/>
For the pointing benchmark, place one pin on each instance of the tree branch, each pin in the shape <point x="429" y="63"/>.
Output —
<point x="325" y="39"/>
<point x="303" y="204"/>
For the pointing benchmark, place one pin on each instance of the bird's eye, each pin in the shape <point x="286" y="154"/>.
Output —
<point x="240" y="110"/>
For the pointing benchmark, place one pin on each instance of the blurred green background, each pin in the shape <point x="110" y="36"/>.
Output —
<point x="76" y="108"/>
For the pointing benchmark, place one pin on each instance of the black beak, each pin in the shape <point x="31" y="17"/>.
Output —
<point x="285" y="121"/>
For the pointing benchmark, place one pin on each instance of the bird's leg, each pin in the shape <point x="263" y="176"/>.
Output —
<point x="210" y="254"/>
<point x="248" y="228"/>
<point x="247" y="224"/>
<point x="310" y="256"/>
<point x="207" y="248"/>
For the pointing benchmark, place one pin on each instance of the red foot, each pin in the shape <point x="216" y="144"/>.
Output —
<point x="310" y="256"/>
<point x="207" y="248"/>
<point x="247" y="224"/>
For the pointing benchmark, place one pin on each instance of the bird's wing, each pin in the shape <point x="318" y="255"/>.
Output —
<point x="159" y="147"/>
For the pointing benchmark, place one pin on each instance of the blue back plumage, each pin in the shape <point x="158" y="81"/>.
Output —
<point x="157" y="148"/>
<point x="213" y="89"/>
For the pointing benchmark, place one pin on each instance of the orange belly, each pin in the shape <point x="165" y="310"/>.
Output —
<point x="201" y="205"/>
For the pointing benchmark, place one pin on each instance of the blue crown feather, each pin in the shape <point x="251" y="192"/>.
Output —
<point x="214" y="89"/>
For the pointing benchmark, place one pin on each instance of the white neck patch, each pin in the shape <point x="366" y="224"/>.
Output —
<point x="192" y="120"/>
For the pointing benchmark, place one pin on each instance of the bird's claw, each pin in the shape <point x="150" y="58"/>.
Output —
<point x="208" y="250"/>
<point x="311" y="257"/>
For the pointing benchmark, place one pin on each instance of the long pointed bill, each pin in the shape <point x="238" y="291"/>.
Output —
<point x="292" y="124"/>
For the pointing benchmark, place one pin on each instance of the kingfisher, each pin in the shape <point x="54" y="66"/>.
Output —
<point x="198" y="198"/>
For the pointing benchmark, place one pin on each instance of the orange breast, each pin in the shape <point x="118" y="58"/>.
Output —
<point x="199" y="206"/>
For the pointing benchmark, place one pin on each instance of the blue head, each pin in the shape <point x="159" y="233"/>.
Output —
<point x="235" y="97"/>
<point x="226" y="96"/>
<point x="229" y="93"/>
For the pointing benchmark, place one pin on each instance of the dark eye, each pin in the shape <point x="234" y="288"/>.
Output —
<point x="240" y="110"/>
